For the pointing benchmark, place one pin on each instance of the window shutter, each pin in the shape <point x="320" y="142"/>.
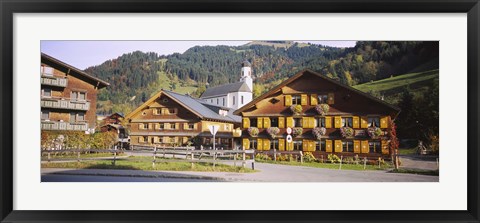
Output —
<point x="356" y="146"/>
<point x="305" y="122"/>
<point x="311" y="122"/>
<point x="338" y="146"/>
<point x="384" y="122"/>
<point x="311" y="146"/>
<point x="140" y="125"/>
<point x="165" y="139"/>
<point x="328" y="146"/>
<point x="290" y="122"/>
<point x="303" y="99"/>
<point x="140" y="139"/>
<point x="184" y="140"/>
<point x="246" y="143"/>
<point x="290" y="146"/>
<point x="305" y="145"/>
<point x="259" y="123"/>
<point x="365" y="146"/>
<point x="246" y="123"/>
<point x="195" y="125"/>
<point x="281" y="144"/>
<point x="385" y="149"/>
<point x="364" y="122"/>
<point x="328" y="122"/>
<point x="166" y="126"/>
<point x="338" y="122"/>
<point x="266" y="122"/>
<point x="177" y="125"/>
<point x="266" y="144"/>
<point x="288" y="100"/>
<point x="331" y="99"/>
<point x="259" y="144"/>
<point x="313" y="99"/>
<point x="150" y="125"/>
<point x="356" y="122"/>
<point x="185" y="125"/>
<point x="281" y="122"/>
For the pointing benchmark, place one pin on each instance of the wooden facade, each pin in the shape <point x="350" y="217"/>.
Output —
<point x="348" y="108"/>
<point x="68" y="96"/>
<point x="171" y="119"/>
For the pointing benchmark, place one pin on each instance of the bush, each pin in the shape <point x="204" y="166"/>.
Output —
<point x="348" y="160"/>
<point x="309" y="157"/>
<point x="261" y="156"/>
<point x="332" y="158"/>
<point x="296" y="109"/>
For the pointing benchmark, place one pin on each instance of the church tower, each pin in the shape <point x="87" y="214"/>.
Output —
<point x="246" y="75"/>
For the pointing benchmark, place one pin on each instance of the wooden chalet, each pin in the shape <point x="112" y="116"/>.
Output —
<point x="172" y="119"/>
<point x="325" y="116"/>
<point x="68" y="96"/>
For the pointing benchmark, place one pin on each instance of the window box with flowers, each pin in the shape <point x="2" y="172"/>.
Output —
<point x="347" y="132"/>
<point x="253" y="131"/>
<point x="318" y="132"/>
<point x="374" y="132"/>
<point x="296" y="109"/>
<point x="273" y="132"/>
<point x="322" y="109"/>
<point x="297" y="131"/>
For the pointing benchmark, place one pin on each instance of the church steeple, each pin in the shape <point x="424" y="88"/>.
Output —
<point x="246" y="74"/>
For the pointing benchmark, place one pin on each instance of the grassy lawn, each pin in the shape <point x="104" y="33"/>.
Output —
<point x="82" y="155"/>
<point x="408" y="151"/>
<point x="397" y="81"/>
<point x="145" y="163"/>
<point x="384" y="166"/>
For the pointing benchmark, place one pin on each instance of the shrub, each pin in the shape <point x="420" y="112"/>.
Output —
<point x="346" y="132"/>
<point x="374" y="132"/>
<point x="322" y="109"/>
<point x="308" y="157"/>
<point x="296" y="109"/>
<point x="297" y="131"/>
<point x="318" y="132"/>
<point x="273" y="132"/>
<point x="332" y="158"/>
<point x="348" y="160"/>
<point x="253" y="131"/>
<point x="261" y="156"/>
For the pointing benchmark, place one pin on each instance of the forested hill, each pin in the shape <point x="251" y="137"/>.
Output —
<point x="134" y="77"/>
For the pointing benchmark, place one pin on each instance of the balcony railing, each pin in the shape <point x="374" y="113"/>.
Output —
<point x="54" y="81"/>
<point x="63" y="103"/>
<point x="53" y="125"/>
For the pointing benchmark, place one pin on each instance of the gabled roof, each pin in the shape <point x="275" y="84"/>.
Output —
<point x="297" y="76"/>
<point x="199" y="107"/>
<point x="225" y="89"/>
<point x="75" y="71"/>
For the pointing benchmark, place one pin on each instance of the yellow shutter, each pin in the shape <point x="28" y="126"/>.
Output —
<point x="266" y="122"/>
<point x="259" y="144"/>
<point x="313" y="99"/>
<point x="356" y="122"/>
<point x="328" y="122"/>
<point x="140" y="126"/>
<point x="338" y="122"/>
<point x="364" y="122"/>
<point x="259" y="123"/>
<point x="177" y="125"/>
<point x="328" y="146"/>
<point x="338" y="146"/>
<point x="290" y="122"/>
<point x="166" y="139"/>
<point x="311" y="146"/>
<point x="195" y="126"/>
<point x="166" y="126"/>
<point x="266" y="144"/>
<point x="305" y="145"/>
<point x="290" y="146"/>
<point x="140" y="139"/>
<point x="246" y="143"/>
<point x="385" y="149"/>
<point x="281" y="122"/>
<point x="246" y="123"/>
<point x="305" y="122"/>
<point x="185" y="125"/>
<point x="185" y="140"/>
<point x="288" y="100"/>
<point x="356" y="146"/>
<point x="311" y="122"/>
<point x="365" y="146"/>
<point x="384" y="122"/>
<point x="281" y="144"/>
<point x="303" y="99"/>
<point x="331" y="98"/>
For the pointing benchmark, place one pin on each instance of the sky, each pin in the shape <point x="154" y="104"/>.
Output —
<point x="83" y="54"/>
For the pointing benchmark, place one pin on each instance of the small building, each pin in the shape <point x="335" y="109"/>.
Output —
<point x="233" y="95"/>
<point x="172" y="119"/>
<point x="323" y="115"/>
<point x="115" y="118"/>
<point x="68" y="96"/>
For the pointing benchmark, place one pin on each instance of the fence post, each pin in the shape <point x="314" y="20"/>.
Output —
<point x="49" y="157"/>
<point x="214" y="159"/>
<point x="364" y="162"/>
<point x="321" y="158"/>
<point x="154" y="156"/>
<point x="235" y="160"/>
<point x="379" y="162"/>
<point x="192" y="157"/>
<point x="114" y="155"/>
<point x="243" y="157"/>
<point x="174" y="152"/>
<point x="275" y="154"/>
<point x="341" y="160"/>
<point x="301" y="157"/>
<point x="78" y="156"/>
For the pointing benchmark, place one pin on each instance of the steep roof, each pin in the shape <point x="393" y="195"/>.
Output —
<point x="74" y="71"/>
<point x="225" y="89"/>
<point x="300" y="74"/>
<point x="199" y="107"/>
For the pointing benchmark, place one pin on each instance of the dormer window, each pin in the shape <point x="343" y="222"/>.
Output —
<point x="46" y="71"/>
<point x="373" y="121"/>
<point x="296" y="99"/>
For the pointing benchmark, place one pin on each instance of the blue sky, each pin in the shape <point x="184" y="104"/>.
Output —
<point x="83" y="54"/>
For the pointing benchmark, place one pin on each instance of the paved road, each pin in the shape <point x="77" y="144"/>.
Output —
<point x="90" y="178"/>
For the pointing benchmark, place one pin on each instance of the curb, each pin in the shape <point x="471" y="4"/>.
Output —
<point x="143" y="175"/>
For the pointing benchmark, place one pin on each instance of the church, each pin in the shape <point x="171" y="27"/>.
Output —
<point x="234" y="95"/>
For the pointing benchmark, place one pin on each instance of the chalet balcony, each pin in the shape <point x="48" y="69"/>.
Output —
<point x="53" y="81"/>
<point x="54" y="125"/>
<point x="64" y="103"/>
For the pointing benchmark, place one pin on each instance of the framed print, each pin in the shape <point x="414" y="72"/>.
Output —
<point x="239" y="111"/>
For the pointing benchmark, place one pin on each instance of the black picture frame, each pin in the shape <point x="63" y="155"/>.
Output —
<point x="9" y="7"/>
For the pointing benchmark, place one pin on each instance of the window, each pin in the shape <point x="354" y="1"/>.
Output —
<point x="274" y="144"/>
<point x="47" y="71"/>
<point x="145" y="139"/>
<point x="274" y="122"/>
<point x="45" y="115"/>
<point x="347" y="122"/>
<point x="145" y="125"/>
<point x="223" y="100"/>
<point x="374" y="121"/>
<point x="297" y="122"/>
<point x="211" y="100"/>
<point x="322" y="99"/>
<point x="320" y="122"/>
<point x="191" y="125"/>
<point x="320" y="146"/>
<point x="253" y="122"/>
<point x="347" y="146"/>
<point x="374" y="147"/>
<point x="296" y="99"/>
<point x="78" y="96"/>
<point x="226" y="127"/>
<point x="217" y="101"/>
<point x="47" y="92"/>
<point x="157" y="111"/>
<point x="233" y="100"/>
<point x="253" y="144"/>
<point x="77" y="117"/>
<point x="173" y="125"/>
<point x="241" y="100"/>
<point x="161" y="125"/>
<point x="297" y="145"/>
<point x="160" y="140"/>
<point x="172" y="111"/>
